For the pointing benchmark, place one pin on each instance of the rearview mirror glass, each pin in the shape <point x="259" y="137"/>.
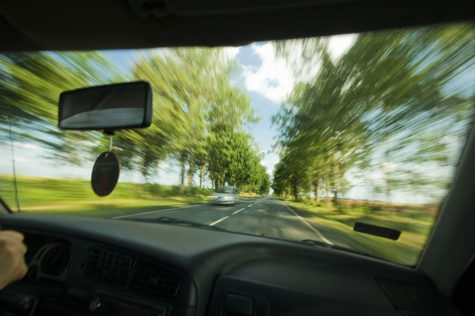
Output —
<point x="110" y="107"/>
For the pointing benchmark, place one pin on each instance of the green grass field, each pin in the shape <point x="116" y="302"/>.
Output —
<point x="75" y="197"/>
<point x="414" y="222"/>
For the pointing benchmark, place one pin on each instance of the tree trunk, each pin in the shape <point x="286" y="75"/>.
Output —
<point x="327" y="190"/>
<point x="202" y="174"/>
<point x="336" y="179"/>
<point x="294" y="189"/>
<point x="317" y="198"/>
<point x="182" y="173"/>
<point x="190" y="176"/>
<point x="308" y="190"/>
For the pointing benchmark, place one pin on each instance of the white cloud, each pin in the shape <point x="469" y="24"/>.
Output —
<point x="275" y="77"/>
<point x="269" y="161"/>
<point x="389" y="166"/>
<point x="339" y="45"/>
<point x="20" y="159"/>
<point x="230" y="52"/>
<point x="157" y="52"/>
<point x="27" y="146"/>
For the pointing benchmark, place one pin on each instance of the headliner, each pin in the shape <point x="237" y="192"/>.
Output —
<point x="27" y="25"/>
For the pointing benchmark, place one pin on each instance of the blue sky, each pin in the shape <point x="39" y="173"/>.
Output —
<point x="266" y="79"/>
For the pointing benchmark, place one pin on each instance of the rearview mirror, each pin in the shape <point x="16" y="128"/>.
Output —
<point x="109" y="108"/>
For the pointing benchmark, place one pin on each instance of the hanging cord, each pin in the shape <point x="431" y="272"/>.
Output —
<point x="13" y="165"/>
<point x="110" y="142"/>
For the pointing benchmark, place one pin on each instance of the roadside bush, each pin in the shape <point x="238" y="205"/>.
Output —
<point x="309" y="202"/>
<point x="197" y="191"/>
<point x="154" y="188"/>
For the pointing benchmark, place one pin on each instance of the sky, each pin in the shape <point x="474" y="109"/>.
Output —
<point x="269" y="80"/>
<point x="266" y="78"/>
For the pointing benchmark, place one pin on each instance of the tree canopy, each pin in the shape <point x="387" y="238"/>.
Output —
<point x="387" y="106"/>
<point x="199" y="116"/>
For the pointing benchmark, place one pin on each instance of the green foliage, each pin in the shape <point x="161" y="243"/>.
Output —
<point x="391" y="105"/>
<point x="29" y="94"/>
<point x="234" y="160"/>
<point x="198" y="118"/>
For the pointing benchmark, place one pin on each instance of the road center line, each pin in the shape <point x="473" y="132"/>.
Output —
<point x="238" y="211"/>
<point x="310" y="226"/>
<point x="164" y="209"/>
<point x="218" y="221"/>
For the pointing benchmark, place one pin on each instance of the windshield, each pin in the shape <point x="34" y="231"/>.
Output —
<point x="226" y="190"/>
<point x="318" y="136"/>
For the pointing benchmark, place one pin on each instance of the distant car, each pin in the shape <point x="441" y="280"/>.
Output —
<point x="228" y="195"/>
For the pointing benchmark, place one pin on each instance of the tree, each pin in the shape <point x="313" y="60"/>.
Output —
<point x="31" y="84"/>
<point x="374" y="105"/>
<point x="197" y="112"/>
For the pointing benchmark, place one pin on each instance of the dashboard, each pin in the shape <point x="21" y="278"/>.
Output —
<point x="70" y="276"/>
<point x="117" y="267"/>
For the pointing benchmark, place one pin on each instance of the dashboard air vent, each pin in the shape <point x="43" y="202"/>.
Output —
<point x="106" y="265"/>
<point x="156" y="280"/>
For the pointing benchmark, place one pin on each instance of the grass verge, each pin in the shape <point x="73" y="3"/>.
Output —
<point x="413" y="222"/>
<point x="75" y="197"/>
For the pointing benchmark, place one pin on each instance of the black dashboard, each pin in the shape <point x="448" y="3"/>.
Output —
<point x="82" y="266"/>
<point x="105" y="275"/>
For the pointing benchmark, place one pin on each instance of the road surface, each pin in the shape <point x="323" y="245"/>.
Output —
<point x="264" y="216"/>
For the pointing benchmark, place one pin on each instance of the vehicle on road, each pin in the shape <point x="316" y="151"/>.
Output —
<point x="225" y="195"/>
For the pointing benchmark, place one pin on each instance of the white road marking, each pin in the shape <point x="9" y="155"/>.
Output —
<point x="165" y="209"/>
<point x="255" y="202"/>
<point x="226" y="217"/>
<point x="218" y="221"/>
<point x="238" y="211"/>
<point x="310" y="226"/>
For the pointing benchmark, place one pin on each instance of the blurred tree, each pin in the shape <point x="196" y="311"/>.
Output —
<point x="29" y="94"/>
<point x="199" y="113"/>
<point x="195" y="109"/>
<point x="392" y="98"/>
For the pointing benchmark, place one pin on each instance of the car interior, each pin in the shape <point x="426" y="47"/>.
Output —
<point x="93" y="266"/>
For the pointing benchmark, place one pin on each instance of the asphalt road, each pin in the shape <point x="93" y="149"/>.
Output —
<point x="265" y="216"/>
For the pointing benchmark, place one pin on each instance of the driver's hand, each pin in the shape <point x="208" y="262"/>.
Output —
<point x="12" y="257"/>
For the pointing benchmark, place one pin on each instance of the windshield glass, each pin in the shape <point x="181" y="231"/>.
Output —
<point x="225" y="189"/>
<point x="316" y="134"/>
